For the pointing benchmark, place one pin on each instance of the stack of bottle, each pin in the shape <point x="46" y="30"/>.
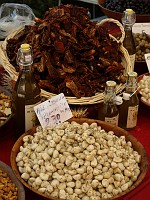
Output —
<point x="125" y="114"/>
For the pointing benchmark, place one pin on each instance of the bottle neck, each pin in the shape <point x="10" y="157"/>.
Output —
<point x="128" y="27"/>
<point x="26" y="68"/>
<point x="109" y="96"/>
<point x="131" y="89"/>
<point x="131" y="85"/>
<point x="128" y="31"/>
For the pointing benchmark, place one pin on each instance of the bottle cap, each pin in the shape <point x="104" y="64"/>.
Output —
<point x="128" y="10"/>
<point x="126" y="96"/>
<point x="25" y="46"/>
<point x="132" y="74"/>
<point x="111" y="83"/>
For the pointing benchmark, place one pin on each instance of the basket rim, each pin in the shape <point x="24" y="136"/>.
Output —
<point x="97" y="98"/>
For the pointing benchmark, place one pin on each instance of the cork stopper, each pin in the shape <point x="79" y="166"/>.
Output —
<point x="111" y="83"/>
<point x="132" y="74"/>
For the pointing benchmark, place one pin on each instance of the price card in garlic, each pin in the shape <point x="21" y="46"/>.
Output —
<point x="147" y="59"/>
<point x="53" y="111"/>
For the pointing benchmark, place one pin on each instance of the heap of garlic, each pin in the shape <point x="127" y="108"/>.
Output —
<point x="78" y="162"/>
<point x="144" y="88"/>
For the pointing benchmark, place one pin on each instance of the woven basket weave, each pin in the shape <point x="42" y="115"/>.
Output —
<point x="97" y="98"/>
<point x="111" y="20"/>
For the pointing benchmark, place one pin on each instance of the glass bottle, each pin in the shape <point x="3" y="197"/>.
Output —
<point x="108" y="112"/>
<point x="128" y="20"/>
<point x="128" y="110"/>
<point x="26" y="93"/>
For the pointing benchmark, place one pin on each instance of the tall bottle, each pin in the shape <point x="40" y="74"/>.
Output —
<point x="128" y="20"/>
<point x="128" y="110"/>
<point x="26" y="93"/>
<point x="108" y="112"/>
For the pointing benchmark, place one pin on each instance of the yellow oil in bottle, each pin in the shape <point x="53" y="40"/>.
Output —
<point x="128" y="110"/>
<point x="128" y="20"/>
<point x="108" y="111"/>
<point x="26" y="94"/>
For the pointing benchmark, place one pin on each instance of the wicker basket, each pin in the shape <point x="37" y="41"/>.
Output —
<point x="7" y="169"/>
<point x="137" y="146"/>
<point x="97" y="98"/>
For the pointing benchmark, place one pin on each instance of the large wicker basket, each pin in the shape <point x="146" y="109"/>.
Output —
<point x="97" y="98"/>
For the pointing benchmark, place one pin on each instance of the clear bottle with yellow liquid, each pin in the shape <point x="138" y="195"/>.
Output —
<point x="128" y="110"/>
<point x="128" y="20"/>
<point x="26" y="93"/>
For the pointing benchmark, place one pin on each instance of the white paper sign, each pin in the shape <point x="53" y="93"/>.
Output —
<point x="141" y="27"/>
<point x="53" y="111"/>
<point x="147" y="59"/>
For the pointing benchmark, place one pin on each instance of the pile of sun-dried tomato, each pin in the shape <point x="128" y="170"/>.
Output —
<point x="71" y="53"/>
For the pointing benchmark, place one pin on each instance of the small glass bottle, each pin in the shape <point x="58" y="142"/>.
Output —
<point x="128" y="20"/>
<point x="26" y="93"/>
<point x="128" y="110"/>
<point x="108" y="112"/>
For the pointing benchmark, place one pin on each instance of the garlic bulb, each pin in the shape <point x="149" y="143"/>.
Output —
<point x="144" y="88"/>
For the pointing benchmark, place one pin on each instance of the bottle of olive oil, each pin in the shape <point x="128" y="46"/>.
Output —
<point x="108" y="112"/>
<point x="26" y="92"/>
<point x="128" y="20"/>
<point x="128" y="110"/>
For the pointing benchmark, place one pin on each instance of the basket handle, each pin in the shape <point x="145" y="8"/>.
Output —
<point x="118" y="24"/>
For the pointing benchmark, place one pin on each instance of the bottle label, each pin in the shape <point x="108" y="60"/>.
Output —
<point x="112" y="120"/>
<point x="30" y="116"/>
<point x="132" y="116"/>
<point x="132" y="59"/>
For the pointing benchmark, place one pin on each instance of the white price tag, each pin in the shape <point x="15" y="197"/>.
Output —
<point x="141" y="27"/>
<point x="53" y="111"/>
<point x="147" y="59"/>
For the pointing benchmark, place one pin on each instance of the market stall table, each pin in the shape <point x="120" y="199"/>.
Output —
<point x="141" y="132"/>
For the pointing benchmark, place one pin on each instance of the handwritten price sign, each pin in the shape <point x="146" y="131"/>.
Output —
<point x="147" y="59"/>
<point x="53" y="111"/>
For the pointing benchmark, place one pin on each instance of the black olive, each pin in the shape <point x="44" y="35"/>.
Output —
<point x="140" y="6"/>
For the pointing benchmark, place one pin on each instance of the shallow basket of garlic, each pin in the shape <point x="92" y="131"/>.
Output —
<point x="81" y="159"/>
<point x="144" y="88"/>
<point x="10" y="186"/>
